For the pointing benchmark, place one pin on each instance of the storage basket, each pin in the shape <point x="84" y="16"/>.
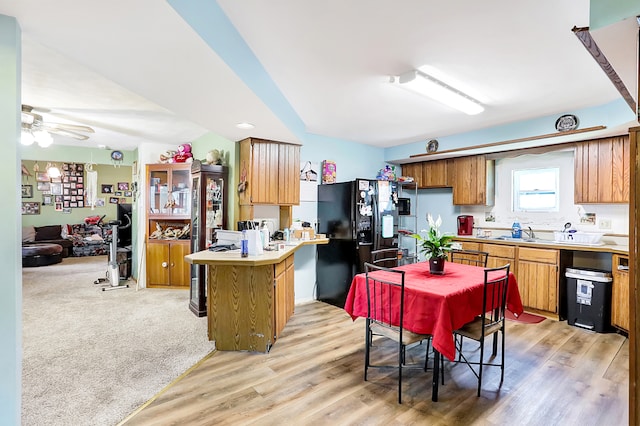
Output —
<point x="578" y="237"/>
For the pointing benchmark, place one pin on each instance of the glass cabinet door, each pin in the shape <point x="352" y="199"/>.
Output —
<point x="180" y="192"/>
<point x="158" y="191"/>
<point x="195" y="296"/>
<point x="214" y="208"/>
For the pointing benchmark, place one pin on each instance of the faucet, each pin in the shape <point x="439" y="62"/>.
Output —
<point x="530" y="233"/>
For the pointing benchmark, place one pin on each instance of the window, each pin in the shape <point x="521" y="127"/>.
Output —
<point x="536" y="190"/>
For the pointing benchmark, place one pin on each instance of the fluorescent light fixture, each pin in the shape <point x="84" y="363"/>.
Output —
<point x="245" y="125"/>
<point x="425" y="85"/>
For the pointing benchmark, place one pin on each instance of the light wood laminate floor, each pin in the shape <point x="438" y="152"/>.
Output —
<point x="556" y="374"/>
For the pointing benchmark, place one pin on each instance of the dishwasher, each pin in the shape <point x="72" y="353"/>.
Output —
<point x="589" y="299"/>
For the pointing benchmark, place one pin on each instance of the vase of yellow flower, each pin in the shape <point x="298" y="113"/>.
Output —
<point x="435" y="245"/>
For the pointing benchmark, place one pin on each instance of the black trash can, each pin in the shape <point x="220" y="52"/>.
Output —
<point x="589" y="299"/>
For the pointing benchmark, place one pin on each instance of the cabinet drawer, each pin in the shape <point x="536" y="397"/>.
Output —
<point x="498" y="250"/>
<point x="538" y="255"/>
<point x="280" y="267"/>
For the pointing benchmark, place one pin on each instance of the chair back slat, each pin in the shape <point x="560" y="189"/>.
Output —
<point x="385" y="296"/>
<point x="496" y="285"/>
<point x="385" y="257"/>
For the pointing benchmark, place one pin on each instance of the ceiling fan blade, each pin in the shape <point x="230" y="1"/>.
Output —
<point x="68" y="133"/>
<point x="70" y="127"/>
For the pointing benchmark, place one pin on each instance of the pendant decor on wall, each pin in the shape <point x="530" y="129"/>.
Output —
<point x="117" y="158"/>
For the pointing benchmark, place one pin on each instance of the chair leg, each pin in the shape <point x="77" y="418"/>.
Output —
<point x="400" y="362"/>
<point x="495" y="344"/>
<point x="480" y="366"/>
<point x="367" y="343"/>
<point x="502" y="355"/>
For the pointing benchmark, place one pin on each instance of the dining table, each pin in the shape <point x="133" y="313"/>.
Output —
<point x="437" y="304"/>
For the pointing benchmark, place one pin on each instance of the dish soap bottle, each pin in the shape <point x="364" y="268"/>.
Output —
<point x="516" y="229"/>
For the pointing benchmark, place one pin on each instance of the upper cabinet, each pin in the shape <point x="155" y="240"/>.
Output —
<point x="270" y="171"/>
<point x="472" y="179"/>
<point x="602" y="171"/>
<point x="169" y="191"/>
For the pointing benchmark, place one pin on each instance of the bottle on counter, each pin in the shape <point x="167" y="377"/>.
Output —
<point x="265" y="235"/>
<point x="287" y="236"/>
<point x="244" y="245"/>
<point x="516" y="229"/>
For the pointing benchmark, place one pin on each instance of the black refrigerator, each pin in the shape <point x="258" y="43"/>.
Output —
<point x="357" y="217"/>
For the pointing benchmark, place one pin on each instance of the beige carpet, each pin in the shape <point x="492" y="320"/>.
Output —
<point x="92" y="357"/>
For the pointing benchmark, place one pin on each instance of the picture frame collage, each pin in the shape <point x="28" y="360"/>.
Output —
<point x="71" y="191"/>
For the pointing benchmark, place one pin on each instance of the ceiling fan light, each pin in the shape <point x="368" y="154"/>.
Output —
<point x="425" y="85"/>
<point x="53" y="172"/>
<point x="26" y="138"/>
<point x="43" y="138"/>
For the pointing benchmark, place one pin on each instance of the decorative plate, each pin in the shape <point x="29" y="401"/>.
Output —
<point x="566" y="122"/>
<point x="432" y="145"/>
<point x="116" y="156"/>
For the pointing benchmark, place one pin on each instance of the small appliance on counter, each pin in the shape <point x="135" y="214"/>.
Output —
<point x="465" y="225"/>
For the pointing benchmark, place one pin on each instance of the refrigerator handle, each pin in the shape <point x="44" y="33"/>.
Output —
<point x="354" y="232"/>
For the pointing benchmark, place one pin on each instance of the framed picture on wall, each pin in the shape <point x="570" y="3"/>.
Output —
<point x="113" y="200"/>
<point x="30" y="208"/>
<point x="44" y="186"/>
<point x="107" y="189"/>
<point x="123" y="186"/>
<point x="58" y="207"/>
<point x="47" y="200"/>
<point x="27" y="191"/>
<point x="42" y="177"/>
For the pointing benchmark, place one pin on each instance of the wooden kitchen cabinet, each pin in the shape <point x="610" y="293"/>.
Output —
<point x="500" y="255"/>
<point x="620" y="292"/>
<point x="434" y="174"/>
<point x="271" y="170"/>
<point x="414" y="170"/>
<point x="284" y="294"/>
<point x="538" y="278"/>
<point x="166" y="266"/>
<point x="472" y="179"/>
<point x="602" y="171"/>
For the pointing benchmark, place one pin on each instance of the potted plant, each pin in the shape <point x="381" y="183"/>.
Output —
<point x="435" y="245"/>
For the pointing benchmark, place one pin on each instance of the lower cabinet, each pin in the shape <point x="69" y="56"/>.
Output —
<point x="166" y="266"/>
<point x="538" y="278"/>
<point x="620" y="292"/>
<point x="249" y="306"/>
<point x="500" y="255"/>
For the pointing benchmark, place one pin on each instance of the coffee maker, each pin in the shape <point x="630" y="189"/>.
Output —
<point x="465" y="225"/>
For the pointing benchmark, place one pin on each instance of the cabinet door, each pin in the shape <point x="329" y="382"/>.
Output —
<point x="434" y="174"/>
<point x="179" y="271"/>
<point x="414" y="170"/>
<point x="468" y="175"/>
<point x="157" y="264"/>
<point x="264" y="172"/>
<point x="620" y="293"/>
<point x="537" y="283"/>
<point x="602" y="171"/>
<point x="280" y="302"/>
<point x="288" y="174"/>
<point x="291" y="296"/>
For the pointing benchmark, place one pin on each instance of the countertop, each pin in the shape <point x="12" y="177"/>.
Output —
<point x="606" y="248"/>
<point x="206" y="257"/>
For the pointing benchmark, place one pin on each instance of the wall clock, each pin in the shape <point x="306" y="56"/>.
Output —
<point x="116" y="158"/>
<point x="432" y="145"/>
<point x="566" y="122"/>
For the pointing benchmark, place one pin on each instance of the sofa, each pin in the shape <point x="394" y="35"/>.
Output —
<point x="50" y="234"/>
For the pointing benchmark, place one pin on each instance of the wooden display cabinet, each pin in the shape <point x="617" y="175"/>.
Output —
<point x="168" y="197"/>
<point x="209" y="185"/>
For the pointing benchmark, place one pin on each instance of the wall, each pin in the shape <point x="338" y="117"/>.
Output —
<point x="107" y="175"/>
<point x="11" y="288"/>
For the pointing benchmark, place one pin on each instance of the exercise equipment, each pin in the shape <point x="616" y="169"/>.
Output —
<point x="112" y="280"/>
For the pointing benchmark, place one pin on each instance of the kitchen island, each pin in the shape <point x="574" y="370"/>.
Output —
<point x="249" y="299"/>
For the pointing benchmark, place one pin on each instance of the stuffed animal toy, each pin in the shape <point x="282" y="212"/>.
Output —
<point x="184" y="154"/>
<point x="167" y="157"/>
<point x="215" y="157"/>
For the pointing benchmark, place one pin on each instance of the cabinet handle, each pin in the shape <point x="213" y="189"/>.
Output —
<point x="165" y="264"/>
<point x="173" y="264"/>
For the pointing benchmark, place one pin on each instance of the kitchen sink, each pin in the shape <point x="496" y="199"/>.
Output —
<point x="522" y="240"/>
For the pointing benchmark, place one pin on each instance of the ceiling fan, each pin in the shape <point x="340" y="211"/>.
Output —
<point x="33" y="122"/>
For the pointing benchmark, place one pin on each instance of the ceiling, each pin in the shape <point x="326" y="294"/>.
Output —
<point x="137" y="72"/>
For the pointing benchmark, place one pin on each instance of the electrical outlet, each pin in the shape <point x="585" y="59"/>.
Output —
<point x="604" y="223"/>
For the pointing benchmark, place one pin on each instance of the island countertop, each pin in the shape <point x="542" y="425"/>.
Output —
<point x="206" y="257"/>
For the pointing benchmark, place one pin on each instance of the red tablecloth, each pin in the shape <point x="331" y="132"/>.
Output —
<point x="437" y="304"/>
